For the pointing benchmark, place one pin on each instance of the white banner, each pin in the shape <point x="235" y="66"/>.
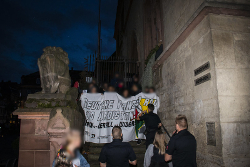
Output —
<point x="103" y="112"/>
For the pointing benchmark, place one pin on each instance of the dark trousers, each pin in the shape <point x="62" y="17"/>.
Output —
<point x="150" y="136"/>
<point x="159" y="164"/>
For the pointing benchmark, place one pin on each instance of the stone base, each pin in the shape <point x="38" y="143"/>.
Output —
<point x="45" y="121"/>
<point x="34" y="145"/>
<point x="46" y="96"/>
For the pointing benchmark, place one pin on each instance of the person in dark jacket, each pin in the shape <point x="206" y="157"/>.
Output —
<point x="152" y="123"/>
<point x="181" y="148"/>
<point x="117" y="153"/>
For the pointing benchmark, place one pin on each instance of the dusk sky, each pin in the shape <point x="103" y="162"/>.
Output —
<point x="28" y="26"/>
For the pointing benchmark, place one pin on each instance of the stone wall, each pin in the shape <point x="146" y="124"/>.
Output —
<point x="179" y="95"/>
<point x="147" y="76"/>
<point x="176" y="14"/>
<point x="231" y="41"/>
<point x="193" y="37"/>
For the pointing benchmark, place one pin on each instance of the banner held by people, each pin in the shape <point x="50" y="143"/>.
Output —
<point x="103" y="112"/>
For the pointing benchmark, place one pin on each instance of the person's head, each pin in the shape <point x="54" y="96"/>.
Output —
<point x="125" y="93"/>
<point x="63" y="159"/>
<point x="93" y="89"/>
<point x="117" y="75"/>
<point x="151" y="90"/>
<point x="111" y="88"/>
<point x="146" y="89"/>
<point x="105" y="86"/>
<point x="181" y="122"/>
<point x="151" y="107"/>
<point x="117" y="132"/>
<point x="135" y="88"/>
<point x="74" y="139"/>
<point x="91" y="85"/>
<point x="135" y="78"/>
<point x="160" y="142"/>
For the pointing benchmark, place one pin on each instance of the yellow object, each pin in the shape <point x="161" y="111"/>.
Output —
<point x="144" y="104"/>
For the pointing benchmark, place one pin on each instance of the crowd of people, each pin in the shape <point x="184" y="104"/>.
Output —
<point x="180" y="151"/>
<point x="117" y="85"/>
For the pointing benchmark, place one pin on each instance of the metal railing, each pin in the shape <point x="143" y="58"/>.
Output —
<point x="105" y="67"/>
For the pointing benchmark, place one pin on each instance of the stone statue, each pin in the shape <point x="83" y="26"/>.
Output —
<point x="54" y="70"/>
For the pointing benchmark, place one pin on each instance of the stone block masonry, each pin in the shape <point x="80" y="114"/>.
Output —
<point x="179" y="95"/>
<point x="34" y="146"/>
<point x="231" y="40"/>
<point x="194" y="32"/>
<point x="224" y="42"/>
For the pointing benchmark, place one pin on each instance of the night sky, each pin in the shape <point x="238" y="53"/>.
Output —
<point x="28" y="26"/>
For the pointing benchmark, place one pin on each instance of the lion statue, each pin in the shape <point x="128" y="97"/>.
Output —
<point x="54" y="70"/>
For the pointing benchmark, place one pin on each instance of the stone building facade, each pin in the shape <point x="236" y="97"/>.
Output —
<point x="203" y="71"/>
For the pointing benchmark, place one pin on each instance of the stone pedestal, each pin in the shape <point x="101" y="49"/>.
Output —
<point x="45" y="120"/>
<point x="34" y="146"/>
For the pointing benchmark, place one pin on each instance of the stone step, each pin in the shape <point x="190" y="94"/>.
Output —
<point x="95" y="157"/>
<point x="95" y="163"/>
<point x="132" y="143"/>
<point x="97" y="150"/>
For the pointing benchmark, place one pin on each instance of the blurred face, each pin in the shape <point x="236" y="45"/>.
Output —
<point x="91" y="85"/>
<point x="75" y="139"/>
<point x="134" y="88"/>
<point x="105" y="86"/>
<point x="146" y="90"/>
<point x="117" y="75"/>
<point x="93" y="90"/>
<point x="151" y="91"/>
<point x="125" y="93"/>
<point x="94" y="81"/>
<point x="135" y="79"/>
<point x="177" y="127"/>
<point x="111" y="89"/>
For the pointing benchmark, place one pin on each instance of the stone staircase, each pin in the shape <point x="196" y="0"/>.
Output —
<point x="95" y="149"/>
